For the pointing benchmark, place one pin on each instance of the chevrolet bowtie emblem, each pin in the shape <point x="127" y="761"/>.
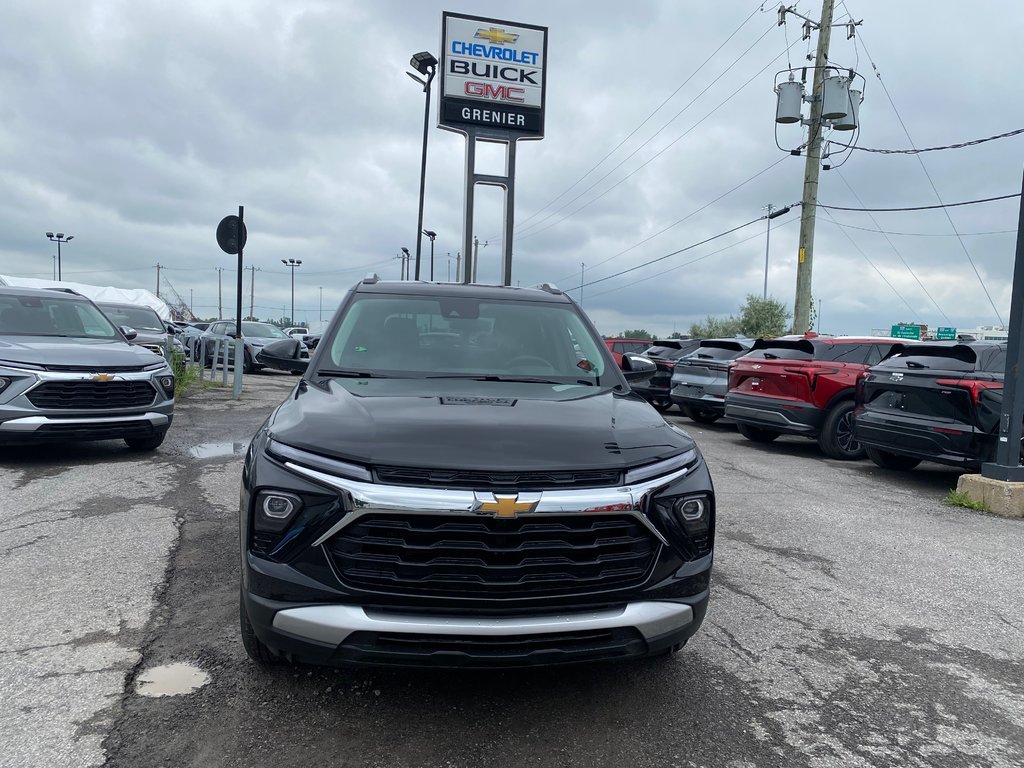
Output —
<point x="103" y="377"/>
<point x="496" y="36"/>
<point x="506" y="506"/>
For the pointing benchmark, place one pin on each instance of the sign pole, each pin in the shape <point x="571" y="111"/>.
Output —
<point x="239" y="345"/>
<point x="1007" y="465"/>
<point x="467" y="209"/>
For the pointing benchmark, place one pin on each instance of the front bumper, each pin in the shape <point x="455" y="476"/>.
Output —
<point x="791" y="417"/>
<point x="334" y="634"/>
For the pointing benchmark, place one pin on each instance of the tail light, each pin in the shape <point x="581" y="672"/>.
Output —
<point x="862" y="378"/>
<point x="811" y="372"/>
<point x="974" y="386"/>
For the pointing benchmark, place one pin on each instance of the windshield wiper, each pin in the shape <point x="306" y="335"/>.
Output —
<point x="500" y="377"/>
<point x="345" y="374"/>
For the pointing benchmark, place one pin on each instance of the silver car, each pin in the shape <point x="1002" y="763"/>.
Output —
<point x="151" y="332"/>
<point x="67" y="373"/>
<point x="701" y="378"/>
<point x="255" y="336"/>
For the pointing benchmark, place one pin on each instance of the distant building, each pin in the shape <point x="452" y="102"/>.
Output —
<point x="985" y="333"/>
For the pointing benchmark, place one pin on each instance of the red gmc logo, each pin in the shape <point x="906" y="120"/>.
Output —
<point x="496" y="92"/>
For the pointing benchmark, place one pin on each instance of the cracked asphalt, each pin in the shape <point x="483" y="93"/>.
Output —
<point x="855" y="621"/>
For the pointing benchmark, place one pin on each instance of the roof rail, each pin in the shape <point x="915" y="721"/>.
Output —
<point x="371" y="278"/>
<point x="549" y="288"/>
<point x="72" y="291"/>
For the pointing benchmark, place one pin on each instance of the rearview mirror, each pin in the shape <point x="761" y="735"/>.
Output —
<point x="129" y="333"/>
<point x="637" y="368"/>
<point x="172" y="329"/>
<point x="283" y="355"/>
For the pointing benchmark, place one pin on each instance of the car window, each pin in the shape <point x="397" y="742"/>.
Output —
<point x="261" y="330"/>
<point x="847" y="353"/>
<point x="139" y="318"/>
<point x="423" y="336"/>
<point x="997" y="362"/>
<point x="943" y="358"/>
<point x="45" y="316"/>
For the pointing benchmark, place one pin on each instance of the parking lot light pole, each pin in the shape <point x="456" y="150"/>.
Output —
<point x="424" y="63"/>
<point x="292" y="264"/>
<point x="432" y="236"/>
<point x="58" y="239"/>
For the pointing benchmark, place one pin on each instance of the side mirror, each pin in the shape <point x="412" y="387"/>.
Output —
<point x="129" y="333"/>
<point x="283" y="355"/>
<point x="637" y="368"/>
<point x="173" y="329"/>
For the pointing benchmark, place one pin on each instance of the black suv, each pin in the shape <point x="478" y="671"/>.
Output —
<point x="462" y="477"/>
<point x="67" y="373"/>
<point x="936" y="401"/>
<point x="664" y="354"/>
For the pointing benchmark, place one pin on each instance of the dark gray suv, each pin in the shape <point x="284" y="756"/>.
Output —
<point x="67" y="373"/>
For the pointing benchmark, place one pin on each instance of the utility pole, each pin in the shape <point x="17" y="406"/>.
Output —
<point x="458" y="266"/>
<point x="252" y="291"/>
<point x="476" y="256"/>
<point x="802" y="302"/>
<point x="767" y="243"/>
<point x="220" y="298"/>
<point x="582" y="268"/>
<point x="158" y="281"/>
<point x="321" y="303"/>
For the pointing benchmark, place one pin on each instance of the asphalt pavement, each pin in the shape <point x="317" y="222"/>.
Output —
<point x="855" y="621"/>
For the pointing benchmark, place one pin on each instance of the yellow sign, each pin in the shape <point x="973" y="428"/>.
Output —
<point x="506" y="506"/>
<point x="496" y="36"/>
<point x="801" y="255"/>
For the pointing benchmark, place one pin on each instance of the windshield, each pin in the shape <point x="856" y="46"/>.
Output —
<point x="464" y="337"/>
<point x="57" y="316"/>
<point x="139" y="318"/>
<point x="261" y="330"/>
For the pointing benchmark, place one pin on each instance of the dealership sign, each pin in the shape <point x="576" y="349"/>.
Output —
<point x="492" y="75"/>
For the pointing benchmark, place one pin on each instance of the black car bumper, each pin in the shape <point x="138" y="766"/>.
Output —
<point x="339" y="634"/>
<point x="790" y="417"/>
<point x="958" y="445"/>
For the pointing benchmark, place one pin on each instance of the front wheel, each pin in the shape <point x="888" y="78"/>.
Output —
<point x="255" y="648"/>
<point x="662" y="405"/>
<point x="887" y="460"/>
<point x="757" y="434"/>
<point x="836" y="439"/>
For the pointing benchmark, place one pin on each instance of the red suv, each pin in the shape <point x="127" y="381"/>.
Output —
<point x="620" y="347"/>
<point x="803" y="386"/>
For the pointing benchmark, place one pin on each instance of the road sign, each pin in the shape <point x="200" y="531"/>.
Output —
<point x="943" y="333"/>
<point x="493" y="75"/>
<point x="227" y="234"/>
<point x="906" y="332"/>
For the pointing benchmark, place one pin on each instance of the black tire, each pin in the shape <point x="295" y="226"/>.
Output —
<point x="836" y="439"/>
<point x="143" y="444"/>
<point x="700" y="415"/>
<point x="757" y="434"/>
<point x="887" y="460"/>
<point x="255" y="649"/>
<point x="662" y="405"/>
<point x="248" y="364"/>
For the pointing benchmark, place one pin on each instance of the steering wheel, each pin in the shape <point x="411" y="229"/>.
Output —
<point x="529" y="360"/>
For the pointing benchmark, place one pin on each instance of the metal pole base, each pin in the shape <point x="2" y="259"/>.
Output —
<point x="994" y="471"/>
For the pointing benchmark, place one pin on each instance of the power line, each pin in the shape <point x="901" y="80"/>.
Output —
<point x="921" y="207"/>
<point x="652" y="158"/>
<point x="963" y="245"/>
<point x="913" y="312"/>
<point x="961" y="145"/>
<point x="687" y="216"/>
<point x="896" y="251"/>
<point x="641" y="125"/>
<point x="923" y="234"/>
<point x="692" y="261"/>
<point x="667" y="255"/>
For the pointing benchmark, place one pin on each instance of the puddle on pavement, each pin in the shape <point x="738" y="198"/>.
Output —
<point x="213" y="450"/>
<point x="171" y="680"/>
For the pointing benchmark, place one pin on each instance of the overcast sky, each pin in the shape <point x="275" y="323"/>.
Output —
<point x="136" y="125"/>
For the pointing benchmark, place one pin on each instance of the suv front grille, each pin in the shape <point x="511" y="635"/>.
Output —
<point x="92" y="395"/>
<point x="522" y="481"/>
<point x="490" y="558"/>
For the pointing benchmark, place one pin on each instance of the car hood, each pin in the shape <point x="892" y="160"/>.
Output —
<point x="87" y="353"/>
<point x="474" y="425"/>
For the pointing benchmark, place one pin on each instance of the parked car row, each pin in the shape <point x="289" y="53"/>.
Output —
<point x="894" y="401"/>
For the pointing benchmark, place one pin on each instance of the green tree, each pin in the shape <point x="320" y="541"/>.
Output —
<point x="763" y="318"/>
<point x="716" y="328"/>
<point x="639" y="333"/>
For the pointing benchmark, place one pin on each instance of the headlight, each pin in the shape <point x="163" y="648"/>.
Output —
<point x="649" y="471"/>
<point x="275" y="510"/>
